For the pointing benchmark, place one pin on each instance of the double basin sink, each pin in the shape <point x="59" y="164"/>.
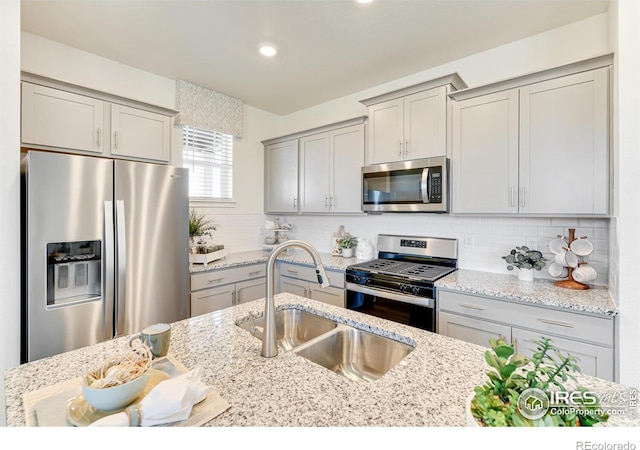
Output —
<point x="351" y="352"/>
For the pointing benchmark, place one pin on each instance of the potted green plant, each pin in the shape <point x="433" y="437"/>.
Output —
<point x="347" y="244"/>
<point x="526" y="261"/>
<point x="199" y="226"/>
<point x="517" y="387"/>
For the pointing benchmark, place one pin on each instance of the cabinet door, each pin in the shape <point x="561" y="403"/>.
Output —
<point x="282" y="177"/>
<point x="314" y="173"/>
<point x="472" y="330"/>
<point x="564" y="145"/>
<point x="293" y="286"/>
<point x="386" y="125"/>
<point x="485" y="154"/>
<point x="347" y="159"/>
<point x="55" y="118"/>
<point x="593" y="359"/>
<point x="329" y="295"/>
<point x="251" y="290"/>
<point x="213" y="299"/>
<point x="140" y="134"/>
<point x="425" y="124"/>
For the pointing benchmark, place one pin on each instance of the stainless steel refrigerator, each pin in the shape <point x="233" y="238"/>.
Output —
<point x="104" y="250"/>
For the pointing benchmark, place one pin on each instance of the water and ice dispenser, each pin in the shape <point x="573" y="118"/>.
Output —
<point x="74" y="272"/>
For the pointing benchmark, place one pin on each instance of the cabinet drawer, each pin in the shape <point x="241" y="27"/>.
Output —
<point x="472" y="330"/>
<point x="329" y="295"/>
<point x="308" y="273"/>
<point x="225" y="276"/>
<point x="545" y="321"/>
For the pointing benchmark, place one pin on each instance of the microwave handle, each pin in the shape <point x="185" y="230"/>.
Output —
<point x="424" y="185"/>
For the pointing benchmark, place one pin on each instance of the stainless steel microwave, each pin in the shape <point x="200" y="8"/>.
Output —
<point x="419" y="185"/>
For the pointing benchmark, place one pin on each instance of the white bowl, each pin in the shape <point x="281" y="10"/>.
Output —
<point x="582" y="247"/>
<point x="117" y="397"/>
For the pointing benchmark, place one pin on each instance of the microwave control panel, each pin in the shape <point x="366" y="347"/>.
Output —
<point x="435" y="184"/>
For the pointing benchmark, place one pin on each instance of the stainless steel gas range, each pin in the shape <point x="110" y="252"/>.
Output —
<point x="399" y="284"/>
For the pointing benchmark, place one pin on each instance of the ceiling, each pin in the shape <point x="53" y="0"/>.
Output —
<point x="327" y="49"/>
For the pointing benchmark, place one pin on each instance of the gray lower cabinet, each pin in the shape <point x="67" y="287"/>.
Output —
<point x="476" y="319"/>
<point x="218" y="289"/>
<point x="301" y="280"/>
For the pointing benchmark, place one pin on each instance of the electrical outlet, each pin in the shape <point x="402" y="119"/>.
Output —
<point x="469" y="241"/>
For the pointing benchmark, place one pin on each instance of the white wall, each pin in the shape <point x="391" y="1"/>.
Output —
<point x="628" y="193"/>
<point x="9" y="190"/>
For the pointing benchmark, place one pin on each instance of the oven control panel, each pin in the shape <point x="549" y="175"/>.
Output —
<point x="413" y="243"/>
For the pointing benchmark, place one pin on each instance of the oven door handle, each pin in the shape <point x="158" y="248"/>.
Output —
<point x="404" y="298"/>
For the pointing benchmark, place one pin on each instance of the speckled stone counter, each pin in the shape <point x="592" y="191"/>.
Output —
<point x="428" y="388"/>
<point x="596" y="300"/>
<point x="260" y="256"/>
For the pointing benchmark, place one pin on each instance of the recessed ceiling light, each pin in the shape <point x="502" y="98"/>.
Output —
<point x="364" y="1"/>
<point x="268" y="49"/>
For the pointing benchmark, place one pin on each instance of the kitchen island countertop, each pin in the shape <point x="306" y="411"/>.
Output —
<point x="428" y="388"/>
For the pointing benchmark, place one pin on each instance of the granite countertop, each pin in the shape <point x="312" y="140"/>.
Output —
<point x="428" y="388"/>
<point x="543" y="292"/>
<point x="330" y="261"/>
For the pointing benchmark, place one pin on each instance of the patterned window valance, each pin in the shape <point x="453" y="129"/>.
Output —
<point x="208" y="110"/>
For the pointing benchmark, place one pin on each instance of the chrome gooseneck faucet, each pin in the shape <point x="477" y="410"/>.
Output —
<point x="269" y="340"/>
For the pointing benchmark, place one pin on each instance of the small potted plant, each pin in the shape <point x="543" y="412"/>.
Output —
<point x="199" y="226"/>
<point x="347" y="244"/>
<point x="519" y="389"/>
<point x="526" y="261"/>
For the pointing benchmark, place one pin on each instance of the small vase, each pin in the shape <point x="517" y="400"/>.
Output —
<point x="471" y="420"/>
<point x="348" y="252"/>
<point x="525" y="274"/>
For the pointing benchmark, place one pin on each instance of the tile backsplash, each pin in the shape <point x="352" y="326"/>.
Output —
<point x="482" y="240"/>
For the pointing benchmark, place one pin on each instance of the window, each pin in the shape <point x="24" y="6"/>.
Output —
<point x="209" y="157"/>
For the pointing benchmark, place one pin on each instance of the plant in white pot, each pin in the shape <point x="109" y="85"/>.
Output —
<point x="347" y="244"/>
<point x="526" y="261"/>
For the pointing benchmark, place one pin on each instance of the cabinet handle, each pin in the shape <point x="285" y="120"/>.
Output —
<point x="514" y="343"/>
<point x="293" y="272"/>
<point x="238" y="297"/>
<point x="99" y="137"/>
<point x="331" y="201"/>
<point x="257" y="272"/>
<point x="306" y="293"/>
<point x="553" y="322"/>
<point x="400" y="147"/>
<point x="115" y="139"/>
<point x="522" y="201"/>
<point x="216" y="280"/>
<point x="233" y="298"/>
<point x="295" y="202"/>
<point x="406" y="147"/>
<point x="326" y="201"/>
<point x="478" y="308"/>
<point x="513" y="196"/>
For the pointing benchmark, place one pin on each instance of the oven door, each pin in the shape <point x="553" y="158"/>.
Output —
<point x="407" y="309"/>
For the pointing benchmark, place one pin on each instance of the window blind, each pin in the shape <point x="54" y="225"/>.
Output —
<point x="209" y="157"/>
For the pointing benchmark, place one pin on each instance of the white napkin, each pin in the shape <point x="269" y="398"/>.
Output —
<point x="170" y="401"/>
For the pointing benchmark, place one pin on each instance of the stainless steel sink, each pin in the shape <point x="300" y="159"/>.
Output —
<point x="356" y="354"/>
<point x="294" y="327"/>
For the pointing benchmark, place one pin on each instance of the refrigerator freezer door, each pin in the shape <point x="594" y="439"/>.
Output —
<point x="64" y="252"/>
<point x="155" y="201"/>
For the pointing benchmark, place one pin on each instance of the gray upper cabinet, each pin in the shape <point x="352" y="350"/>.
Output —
<point x="538" y="148"/>
<point x="61" y="117"/>
<point x="281" y="177"/>
<point x="317" y="171"/>
<point x="411" y="123"/>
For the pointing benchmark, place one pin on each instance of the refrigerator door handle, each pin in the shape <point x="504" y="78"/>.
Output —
<point x="109" y="269"/>
<point x="121" y="268"/>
